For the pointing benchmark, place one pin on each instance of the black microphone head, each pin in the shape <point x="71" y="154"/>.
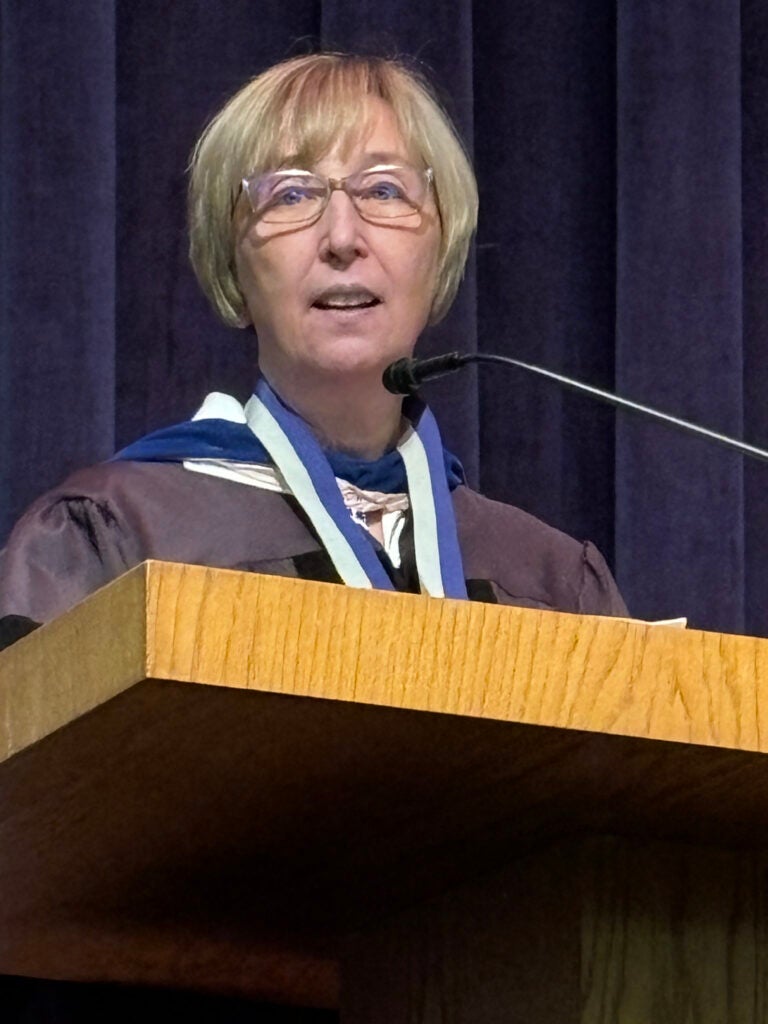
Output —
<point x="399" y="378"/>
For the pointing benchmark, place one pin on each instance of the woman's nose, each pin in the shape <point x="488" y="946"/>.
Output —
<point x="344" y="237"/>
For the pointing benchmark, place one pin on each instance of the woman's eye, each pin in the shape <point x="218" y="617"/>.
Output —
<point x="291" y="196"/>
<point x="383" y="190"/>
<point x="291" y="192"/>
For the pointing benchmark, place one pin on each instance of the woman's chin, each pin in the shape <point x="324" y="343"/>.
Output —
<point x="353" y="359"/>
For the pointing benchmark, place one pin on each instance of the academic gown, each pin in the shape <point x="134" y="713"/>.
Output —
<point x="108" y="518"/>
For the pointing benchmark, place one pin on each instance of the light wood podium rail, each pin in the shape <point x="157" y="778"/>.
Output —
<point x="419" y="810"/>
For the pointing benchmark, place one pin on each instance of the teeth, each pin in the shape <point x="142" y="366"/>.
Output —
<point x="357" y="304"/>
<point x="347" y="301"/>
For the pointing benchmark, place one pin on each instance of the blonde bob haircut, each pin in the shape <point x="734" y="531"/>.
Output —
<point x="302" y="109"/>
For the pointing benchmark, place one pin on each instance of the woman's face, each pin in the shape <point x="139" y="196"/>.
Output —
<point x="299" y="280"/>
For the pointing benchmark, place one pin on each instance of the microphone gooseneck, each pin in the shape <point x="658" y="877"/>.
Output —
<point x="406" y="376"/>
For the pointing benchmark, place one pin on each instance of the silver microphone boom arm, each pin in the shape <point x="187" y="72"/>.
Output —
<point x="406" y="376"/>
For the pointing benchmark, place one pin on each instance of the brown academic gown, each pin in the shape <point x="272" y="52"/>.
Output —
<point x="108" y="518"/>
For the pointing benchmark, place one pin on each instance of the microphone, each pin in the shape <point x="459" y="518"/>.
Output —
<point x="405" y="377"/>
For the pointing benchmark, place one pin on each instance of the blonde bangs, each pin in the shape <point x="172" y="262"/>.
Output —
<point x="318" y="109"/>
<point x="319" y="112"/>
<point x="299" y="111"/>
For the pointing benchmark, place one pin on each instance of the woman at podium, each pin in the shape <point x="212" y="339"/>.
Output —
<point x="331" y="210"/>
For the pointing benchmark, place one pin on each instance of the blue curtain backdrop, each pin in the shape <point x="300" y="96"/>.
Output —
<point x="622" y="155"/>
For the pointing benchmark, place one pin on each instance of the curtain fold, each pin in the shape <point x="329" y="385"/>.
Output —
<point x="680" y="503"/>
<point x="57" y="244"/>
<point x="545" y="145"/>
<point x="754" y="140"/>
<point x="621" y="157"/>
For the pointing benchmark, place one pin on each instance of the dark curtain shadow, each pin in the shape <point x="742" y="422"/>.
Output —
<point x="35" y="1001"/>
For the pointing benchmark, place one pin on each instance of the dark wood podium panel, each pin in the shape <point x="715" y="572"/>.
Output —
<point x="597" y="930"/>
<point x="368" y="753"/>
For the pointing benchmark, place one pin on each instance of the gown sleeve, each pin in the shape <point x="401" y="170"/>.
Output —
<point x="598" y="593"/>
<point x="61" y="550"/>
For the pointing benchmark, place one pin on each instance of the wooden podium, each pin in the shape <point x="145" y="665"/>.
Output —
<point x="418" y="810"/>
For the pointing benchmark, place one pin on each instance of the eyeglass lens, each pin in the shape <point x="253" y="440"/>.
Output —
<point x="379" y="193"/>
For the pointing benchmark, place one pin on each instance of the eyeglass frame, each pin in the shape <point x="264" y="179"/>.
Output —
<point x="338" y="185"/>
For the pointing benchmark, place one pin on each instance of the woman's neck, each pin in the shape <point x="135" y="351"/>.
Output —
<point x="356" y="416"/>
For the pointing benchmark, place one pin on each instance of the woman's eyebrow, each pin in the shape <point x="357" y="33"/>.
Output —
<point x="385" y="158"/>
<point x="294" y="162"/>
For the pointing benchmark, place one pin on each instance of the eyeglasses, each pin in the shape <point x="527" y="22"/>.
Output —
<point x="380" y="194"/>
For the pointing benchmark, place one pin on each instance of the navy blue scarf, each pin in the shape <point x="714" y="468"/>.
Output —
<point x="236" y="442"/>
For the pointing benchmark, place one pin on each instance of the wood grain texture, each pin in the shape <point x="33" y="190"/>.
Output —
<point x="72" y="665"/>
<point x="404" y="650"/>
<point x="673" y="933"/>
<point x="597" y="931"/>
<point x="398" y="650"/>
<point x="230" y="835"/>
<point x="501" y="950"/>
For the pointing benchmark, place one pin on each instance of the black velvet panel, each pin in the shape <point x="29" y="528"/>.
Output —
<point x="57" y="244"/>
<point x="680" y="505"/>
<point x="754" y="194"/>
<point x="545" y="151"/>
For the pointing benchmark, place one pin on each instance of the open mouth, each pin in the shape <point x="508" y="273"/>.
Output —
<point x="343" y="299"/>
